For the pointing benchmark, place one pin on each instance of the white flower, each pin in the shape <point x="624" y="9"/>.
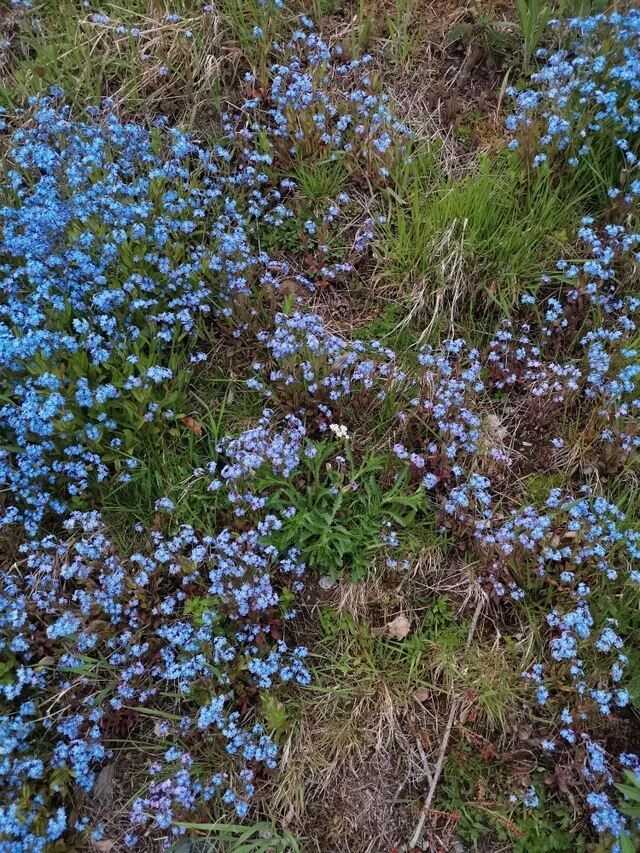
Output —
<point x="340" y="431"/>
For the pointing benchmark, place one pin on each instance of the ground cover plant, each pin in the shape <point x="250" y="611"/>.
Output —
<point x="319" y="427"/>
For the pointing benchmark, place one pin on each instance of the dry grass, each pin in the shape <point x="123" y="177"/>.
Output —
<point x="175" y="72"/>
<point x="366" y="736"/>
<point x="346" y="767"/>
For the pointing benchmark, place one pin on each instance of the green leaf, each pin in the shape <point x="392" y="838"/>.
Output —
<point x="629" y="792"/>
<point x="275" y="713"/>
<point x="626" y="844"/>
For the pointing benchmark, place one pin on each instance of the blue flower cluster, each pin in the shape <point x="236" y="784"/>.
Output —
<point x="573" y="351"/>
<point x="123" y="245"/>
<point x="265" y="446"/>
<point x="324" y="106"/>
<point x="187" y="616"/>
<point x="584" y="99"/>
<point x="116" y="241"/>
<point x="585" y="92"/>
<point x="319" y="109"/>
<point x="118" y="244"/>
<point x="443" y="422"/>
<point x="577" y="550"/>
<point x="109" y="256"/>
<point x="580" y="549"/>
<point x="311" y="363"/>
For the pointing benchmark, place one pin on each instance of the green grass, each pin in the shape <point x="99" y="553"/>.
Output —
<point x="322" y="8"/>
<point x="533" y="16"/>
<point x="376" y="695"/>
<point x="468" y="247"/>
<point x="213" y="406"/>
<point x="405" y="32"/>
<point x="220" y="837"/>
<point x="320" y="181"/>
<point x="353" y="658"/>
<point x="241" y="17"/>
<point x="487" y="33"/>
<point x="538" y="486"/>
<point x="472" y="788"/>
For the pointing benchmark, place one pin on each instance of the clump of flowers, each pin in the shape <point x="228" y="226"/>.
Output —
<point x="584" y="98"/>
<point x="267" y="446"/>
<point x="579" y="351"/>
<point x="320" y="115"/>
<point x="119" y="242"/>
<point x="585" y="92"/>
<point x="323" y="106"/>
<point x="120" y="245"/>
<point x="108" y="250"/>
<point x="187" y="621"/>
<point x="313" y="364"/>
<point x="580" y="551"/>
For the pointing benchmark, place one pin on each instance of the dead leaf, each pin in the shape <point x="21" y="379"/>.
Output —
<point x="494" y="427"/>
<point x="559" y="778"/>
<point x="194" y="425"/>
<point x="422" y="695"/>
<point x="102" y="846"/>
<point x="290" y="815"/>
<point x="398" y="628"/>
<point x="524" y="732"/>
<point x="103" y="789"/>
<point x="290" y="285"/>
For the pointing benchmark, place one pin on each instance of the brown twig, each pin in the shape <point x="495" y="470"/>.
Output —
<point x="453" y="713"/>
